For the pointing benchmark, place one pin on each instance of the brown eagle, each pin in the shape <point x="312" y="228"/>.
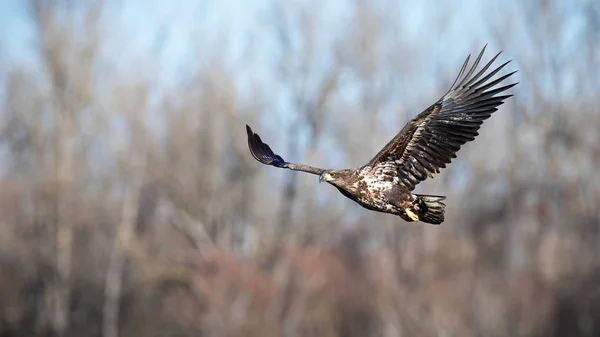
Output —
<point x="423" y="147"/>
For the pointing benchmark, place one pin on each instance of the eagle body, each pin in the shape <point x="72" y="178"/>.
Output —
<point x="422" y="148"/>
<point x="376" y="192"/>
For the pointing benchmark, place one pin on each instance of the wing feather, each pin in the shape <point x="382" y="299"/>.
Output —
<point x="430" y="141"/>
<point x="263" y="153"/>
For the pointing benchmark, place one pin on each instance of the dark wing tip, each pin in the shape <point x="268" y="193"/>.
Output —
<point x="261" y="151"/>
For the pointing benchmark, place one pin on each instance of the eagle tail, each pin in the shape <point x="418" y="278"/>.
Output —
<point x="430" y="208"/>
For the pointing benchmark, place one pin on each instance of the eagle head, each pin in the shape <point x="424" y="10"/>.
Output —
<point x="332" y="177"/>
<point x="327" y="177"/>
<point x="338" y="178"/>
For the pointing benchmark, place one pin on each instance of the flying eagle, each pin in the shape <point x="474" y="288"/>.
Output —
<point x="421" y="149"/>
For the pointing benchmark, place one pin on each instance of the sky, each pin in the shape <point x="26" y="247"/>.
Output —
<point x="177" y="35"/>
<point x="167" y="41"/>
<point x="171" y="30"/>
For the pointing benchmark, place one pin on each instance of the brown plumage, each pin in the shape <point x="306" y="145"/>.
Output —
<point x="421" y="149"/>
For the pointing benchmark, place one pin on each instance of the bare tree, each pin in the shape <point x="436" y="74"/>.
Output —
<point x="133" y="102"/>
<point x="70" y="93"/>
<point x="89" y="154"/>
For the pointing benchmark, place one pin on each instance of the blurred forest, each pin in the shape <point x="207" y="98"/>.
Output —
<point x="130" y="207"/>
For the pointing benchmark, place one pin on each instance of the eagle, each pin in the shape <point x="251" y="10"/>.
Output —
<point x="424" y="146"/>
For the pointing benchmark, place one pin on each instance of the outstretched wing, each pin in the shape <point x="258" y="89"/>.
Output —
<point x="263" y="153"/>
<point x="430" y="141"/>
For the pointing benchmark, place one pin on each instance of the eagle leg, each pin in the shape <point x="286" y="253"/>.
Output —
<point x="411" y="214"/>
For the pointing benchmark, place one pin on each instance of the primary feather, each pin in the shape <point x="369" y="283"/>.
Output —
<point x="430" y="140"/>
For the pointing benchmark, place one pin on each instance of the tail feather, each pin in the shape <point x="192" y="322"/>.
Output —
<point x="430" y="209"/>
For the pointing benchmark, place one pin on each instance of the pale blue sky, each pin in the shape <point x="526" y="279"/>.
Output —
<point x="176" y="35"/>
<point x="168" y="40"/>
<point x="135" y="29"/>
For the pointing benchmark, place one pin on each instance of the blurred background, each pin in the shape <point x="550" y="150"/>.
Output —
<point x="130" y="205"/>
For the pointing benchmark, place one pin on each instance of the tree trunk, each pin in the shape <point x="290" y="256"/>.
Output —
<point x="124" y="233"/>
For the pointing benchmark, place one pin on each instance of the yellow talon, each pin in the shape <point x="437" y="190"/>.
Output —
<point x="411" y="214"/>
